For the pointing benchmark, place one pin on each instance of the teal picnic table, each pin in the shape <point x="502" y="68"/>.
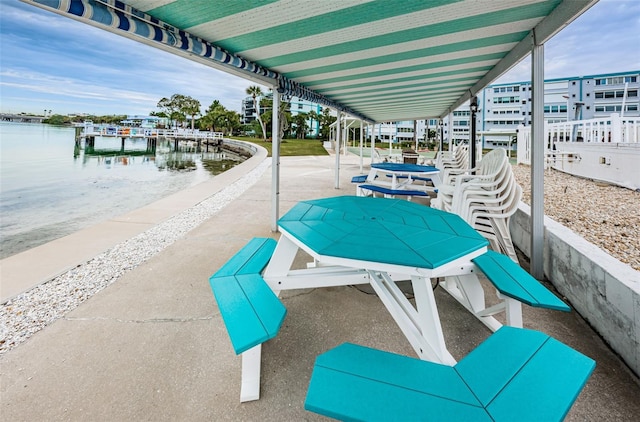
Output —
<point x="378" y="241"/>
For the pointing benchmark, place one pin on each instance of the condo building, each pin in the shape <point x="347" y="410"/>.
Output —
<point x="502" y="108"/>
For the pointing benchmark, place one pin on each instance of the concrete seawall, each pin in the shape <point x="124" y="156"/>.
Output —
<point x="605" y="291"/>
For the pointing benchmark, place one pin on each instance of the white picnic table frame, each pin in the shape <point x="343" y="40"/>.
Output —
<point x="400" y="170"/>
<point x="420" y="324"/>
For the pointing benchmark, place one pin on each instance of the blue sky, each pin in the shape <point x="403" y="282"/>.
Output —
<point x="55" y="63"/>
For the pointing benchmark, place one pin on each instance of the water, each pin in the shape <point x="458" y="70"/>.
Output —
<point x="51" y="187"/>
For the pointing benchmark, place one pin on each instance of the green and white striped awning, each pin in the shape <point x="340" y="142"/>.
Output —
<point x="380" y="60"/>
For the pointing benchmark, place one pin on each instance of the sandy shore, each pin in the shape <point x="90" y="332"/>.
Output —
<point x="607" y="216"/>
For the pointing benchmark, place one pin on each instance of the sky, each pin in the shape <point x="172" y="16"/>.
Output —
<point x="50" y="62"/>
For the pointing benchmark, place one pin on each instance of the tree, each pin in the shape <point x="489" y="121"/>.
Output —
<point x="256" y="92"/>
<point x="190" y="106"/>
<point x="301" y="125"/>
<point x="326" y="119"/>
<point x="218" y="118"/>
<point x="179" y="106"/>
<point x="168" y="106"/>
<point x="284" y="115"/>
<point x="314" y="117"/>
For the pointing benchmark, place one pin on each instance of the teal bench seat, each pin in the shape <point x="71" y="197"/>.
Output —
<point x="251" y="311"/>
<point x="393" y="192"/>
<point x="512" y="281"/>
<point x="515" y="375"/>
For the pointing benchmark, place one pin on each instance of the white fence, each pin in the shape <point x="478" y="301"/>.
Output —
<point x="606" y="149"/>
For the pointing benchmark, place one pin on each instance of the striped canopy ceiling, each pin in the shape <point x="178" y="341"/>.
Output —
<point x="381" y="60"/>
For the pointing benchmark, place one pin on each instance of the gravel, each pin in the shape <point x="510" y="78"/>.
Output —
<point x="606" y="215"/>
<point x="31" y="311"/>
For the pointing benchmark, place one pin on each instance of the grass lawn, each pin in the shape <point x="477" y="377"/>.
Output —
<point x="290" y="147"/>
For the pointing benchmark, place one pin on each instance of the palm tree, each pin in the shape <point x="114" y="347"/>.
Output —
<point x="301" y="125"/>
<point x="256" y="92"/>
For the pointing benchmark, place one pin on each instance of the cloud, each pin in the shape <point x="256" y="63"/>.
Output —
<point x="46" y="55"/>
<point x="604" y="39"/>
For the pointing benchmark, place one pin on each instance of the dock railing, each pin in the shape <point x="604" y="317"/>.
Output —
<point x="91" y="129"/>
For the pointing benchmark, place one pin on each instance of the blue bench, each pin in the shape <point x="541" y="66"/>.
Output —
<point x="512" y="281"/>
<point x="251" y="311"/>
<point x="516" y="374"/>
<point x="359" y="179"/>
<point x="388" y="192"/>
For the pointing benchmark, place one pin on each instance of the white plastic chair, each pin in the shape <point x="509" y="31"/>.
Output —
<point x="484" y="177"/>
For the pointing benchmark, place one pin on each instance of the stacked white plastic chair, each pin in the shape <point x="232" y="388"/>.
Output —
<point x="455" y="181"/>
<point x="486" y="197"/>
<point x="455" y="159"/>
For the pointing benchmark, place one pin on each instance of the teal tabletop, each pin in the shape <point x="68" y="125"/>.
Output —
<point x="391" y="231"/>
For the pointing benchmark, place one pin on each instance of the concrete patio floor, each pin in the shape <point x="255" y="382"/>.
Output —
<point x="152" y="346"/>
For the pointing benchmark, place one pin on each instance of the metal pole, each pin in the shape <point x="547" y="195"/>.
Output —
<point x="371" y="138"/>
<point x="275" y="161"/>
<point x="472" y="133"/>
<point x="361" y="140"/>
<point x="537" y="160"/>
<point x="450" y="132"/>
<point x="338" y="135"/>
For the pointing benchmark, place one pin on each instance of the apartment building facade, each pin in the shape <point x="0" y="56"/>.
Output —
<point x="503" y="107"/>
<point x="296" y="106"/>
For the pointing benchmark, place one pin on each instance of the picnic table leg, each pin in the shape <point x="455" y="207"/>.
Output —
<point x="513" y="310"/>
<point x="429" y="320"/>
<point x="467" y="290"/>
<point x="280" y="263"/>
<point x="423" y="331"/>
<point x="250" y="385"/>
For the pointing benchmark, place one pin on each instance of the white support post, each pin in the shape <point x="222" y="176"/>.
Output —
<point x="345" y="137"/>
<point x="361" y="141"/>
<point x="338" y="135"/>
<point x="450" y="131"/>
<point x="537" y="159"/>
<point x="275" y="161"/>
<point x="372" y="147"/>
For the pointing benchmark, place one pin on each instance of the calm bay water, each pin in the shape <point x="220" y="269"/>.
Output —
<point x="51" y="187"/>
